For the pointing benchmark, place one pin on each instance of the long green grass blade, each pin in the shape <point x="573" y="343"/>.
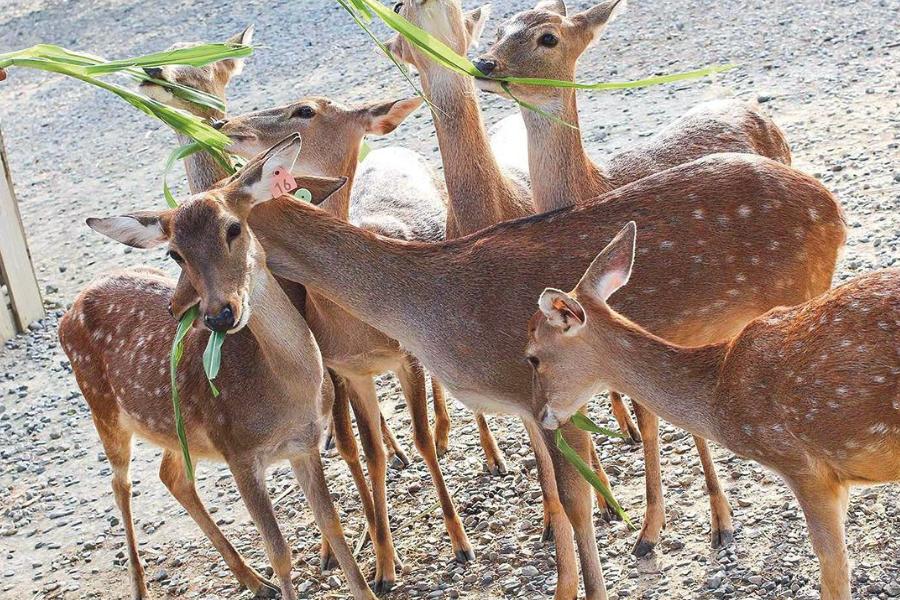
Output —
<point x="212" y="359"/>
<point x="179" y="153"/>
<point x="584" y="423"/>
<point x="588" y="473"/>
<point x="184" y="325"/>
<point x="536" y="109"/>
<point x="195" y="56"/>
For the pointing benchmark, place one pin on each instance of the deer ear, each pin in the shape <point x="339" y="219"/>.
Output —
<point x="138" y="230"/>
<point x="395" y="46"/>
<point x="594" y="20"/>
<point x="384" y="117"/>
<point x="475" y="20"/>
<point x="234" y="66"/>
<point x="612" y="267"/>
<point x="554" y="6"/>
<point x="562" y="311"/>
<point x="268" y="175"/>
<point x="321" y="188"/>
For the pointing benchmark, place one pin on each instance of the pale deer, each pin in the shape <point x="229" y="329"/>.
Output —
<point x="399" y="196"/>
<point x="729" y="236"/>
<point x="546" y="42"/>
<point x="273" y="397"/>
<point x="808" y="391"/>
<point x="487" y="176"/>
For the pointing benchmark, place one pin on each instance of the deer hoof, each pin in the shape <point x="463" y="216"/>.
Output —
<point x="465" y="556"/>
<point x="329" y="562"/>
<point x="266" y="590"/>
<point x="497" y="469"/>
<point x="643" y="547"/>
<point x="382" y="586"/>
<point x="398" y="463"/>
<point x="547" y="534"/>
<point x="722" y="538"/>
<point x="634" y="436"/>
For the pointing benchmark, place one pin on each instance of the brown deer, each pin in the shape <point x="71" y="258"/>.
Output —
<point x="456" y="305"/>
<point x="808" y="391"/>
<point x="122" y="369"/>
<point x="398" y="196"/>
<point x="546" y="43"/>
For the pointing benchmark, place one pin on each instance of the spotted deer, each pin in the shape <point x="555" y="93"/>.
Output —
<point x="273" y="396"/>
<point x="458" y="305"/>
<point x="486" y="175"/>
<point x="398" y="194"/>
<point x="547" y="42"/>
<point x="808" y="391"/>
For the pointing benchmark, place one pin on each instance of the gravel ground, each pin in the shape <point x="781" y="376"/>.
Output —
<point x="826" y="70"/>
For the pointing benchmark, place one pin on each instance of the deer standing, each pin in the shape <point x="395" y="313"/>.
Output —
<point x="546" y="42"/>
<point x="398" y="196"/>
<point x="442" y="301"/>
<point x="808" y="391"/>
<point x="122" y="369"/>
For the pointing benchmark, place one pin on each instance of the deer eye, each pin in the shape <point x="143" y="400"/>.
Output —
<point x="234" y="230"/>
<point x="176" y="257"/>
<point x="305" y="112"/>
<point x="397" y="7"/>
<point x="534" y="361"/>
<point x="548" y="40"/>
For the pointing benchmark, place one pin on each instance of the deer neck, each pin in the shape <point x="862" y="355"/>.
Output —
<point x="562" y="174"/>
<point x="677" y="383"/>
<point x="202" y="170"/>
<point x="481" y="194"/>
<point x="338" y="204"/>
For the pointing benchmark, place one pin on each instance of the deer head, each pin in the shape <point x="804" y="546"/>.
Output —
<point x="208" y="236"/>
<point x="565" y="336"/>
<point x="543" y="43"/>
<point x="445" y="20"/>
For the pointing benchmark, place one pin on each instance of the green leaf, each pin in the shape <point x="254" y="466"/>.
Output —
<point x="212" y="359"/>
<point x="195" y="56"/>
<point x="364" y="150"/>
<point x="177" y="154"/>
<point x="588" y="473"/>
<point x="584" y="423"/>
<point x="184" y="325"/>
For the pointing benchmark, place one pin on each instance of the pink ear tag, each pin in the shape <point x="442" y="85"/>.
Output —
<point x="282" y="183"/>
<point x="303" y="194"/>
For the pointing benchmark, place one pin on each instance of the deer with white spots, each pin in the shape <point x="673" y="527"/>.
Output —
<point x="274" y="396"/>
<point x="810" y="391"/>
<point x="547" y="42"/>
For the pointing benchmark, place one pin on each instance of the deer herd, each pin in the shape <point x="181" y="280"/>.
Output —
<point x="727" y="327"/>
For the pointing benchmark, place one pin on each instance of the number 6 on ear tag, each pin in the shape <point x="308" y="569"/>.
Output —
<point x="303" y="194"/>
<point x="282" y="183"/>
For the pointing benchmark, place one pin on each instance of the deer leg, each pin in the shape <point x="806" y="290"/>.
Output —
<point x="174" y="476"/>
<point x="412" y="379"/>
<point x="824" y="504"/>
<point x="441" y="418"/>
<point x="495" y="463"/>
<point x="117" y="445"/>
<point x="308" y="470"/>
<point x="576" y="498"/>
<point x="364" y="400"/>
<point x="396" y="455"/>
<point x="250" y="478"/>
<point x="328" y="441"/>
<point x="623" y="418"/>
<point x="555" y="520"/>
<point x="655" y="513"/>
<point x="608" y="513"/>
<point x="721" y="528"/>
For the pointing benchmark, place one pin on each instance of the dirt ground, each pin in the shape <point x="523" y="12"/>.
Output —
<point x="827" y="71"/>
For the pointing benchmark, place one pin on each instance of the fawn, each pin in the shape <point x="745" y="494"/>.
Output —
<point x="122" y="370"/>
<point x="546" y="43"/>
<point x="398" y="195"/>
<point x="441" y="301"/>
<point x="808" y="391"/>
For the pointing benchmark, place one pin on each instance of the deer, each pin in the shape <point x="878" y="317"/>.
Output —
<point x="270" y="352"/>
<point x="546" y="42"/>
<point x="809" y="391"/>
<point x="455" y="305"/>
<point x="398" y="195"/>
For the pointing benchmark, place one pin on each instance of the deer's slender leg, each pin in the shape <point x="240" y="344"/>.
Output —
<point x="364" y="400"/>
<point x="308" y="469"/>
<point x="412" y="378"/>
<point x="721" y="528"/>
<point x="607" y="511"/>
<point x="441" y="418"/>
<point x="824" y="504"/>
<point x="623" y="418"/>
<point x="495" y="463"/>
<point x="396" y="455"/>
<point x="174" y="476"/>
<point x="655" y="512"/>
<point x="555" y="517"/>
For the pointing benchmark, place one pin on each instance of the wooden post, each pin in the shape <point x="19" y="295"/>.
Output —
<point x="16" y="270"/>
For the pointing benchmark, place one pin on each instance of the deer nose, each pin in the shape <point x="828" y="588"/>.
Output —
<point x="222" y="322"/>
<point x="485" y="65"/>
<point x="154" y="72"/>
<point x="219" y="123"/>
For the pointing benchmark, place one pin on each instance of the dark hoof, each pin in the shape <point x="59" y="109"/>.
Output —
<point x="329" y="563"/>
<point x="498" y="469"/>
<point x="267" y="590"/>
<point x="634" y="436"/>
<point x="547" y="534"/>
<point x="441" y="450"/>
<point x="465" y="556"/>
<point x="398" y="463"/>
<point x="722" y="538"/>
<point x="642" y="548"/>
<point x="329" y="443"/>
<point x="611" y="514"/>
<point x="382" y="586"/>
